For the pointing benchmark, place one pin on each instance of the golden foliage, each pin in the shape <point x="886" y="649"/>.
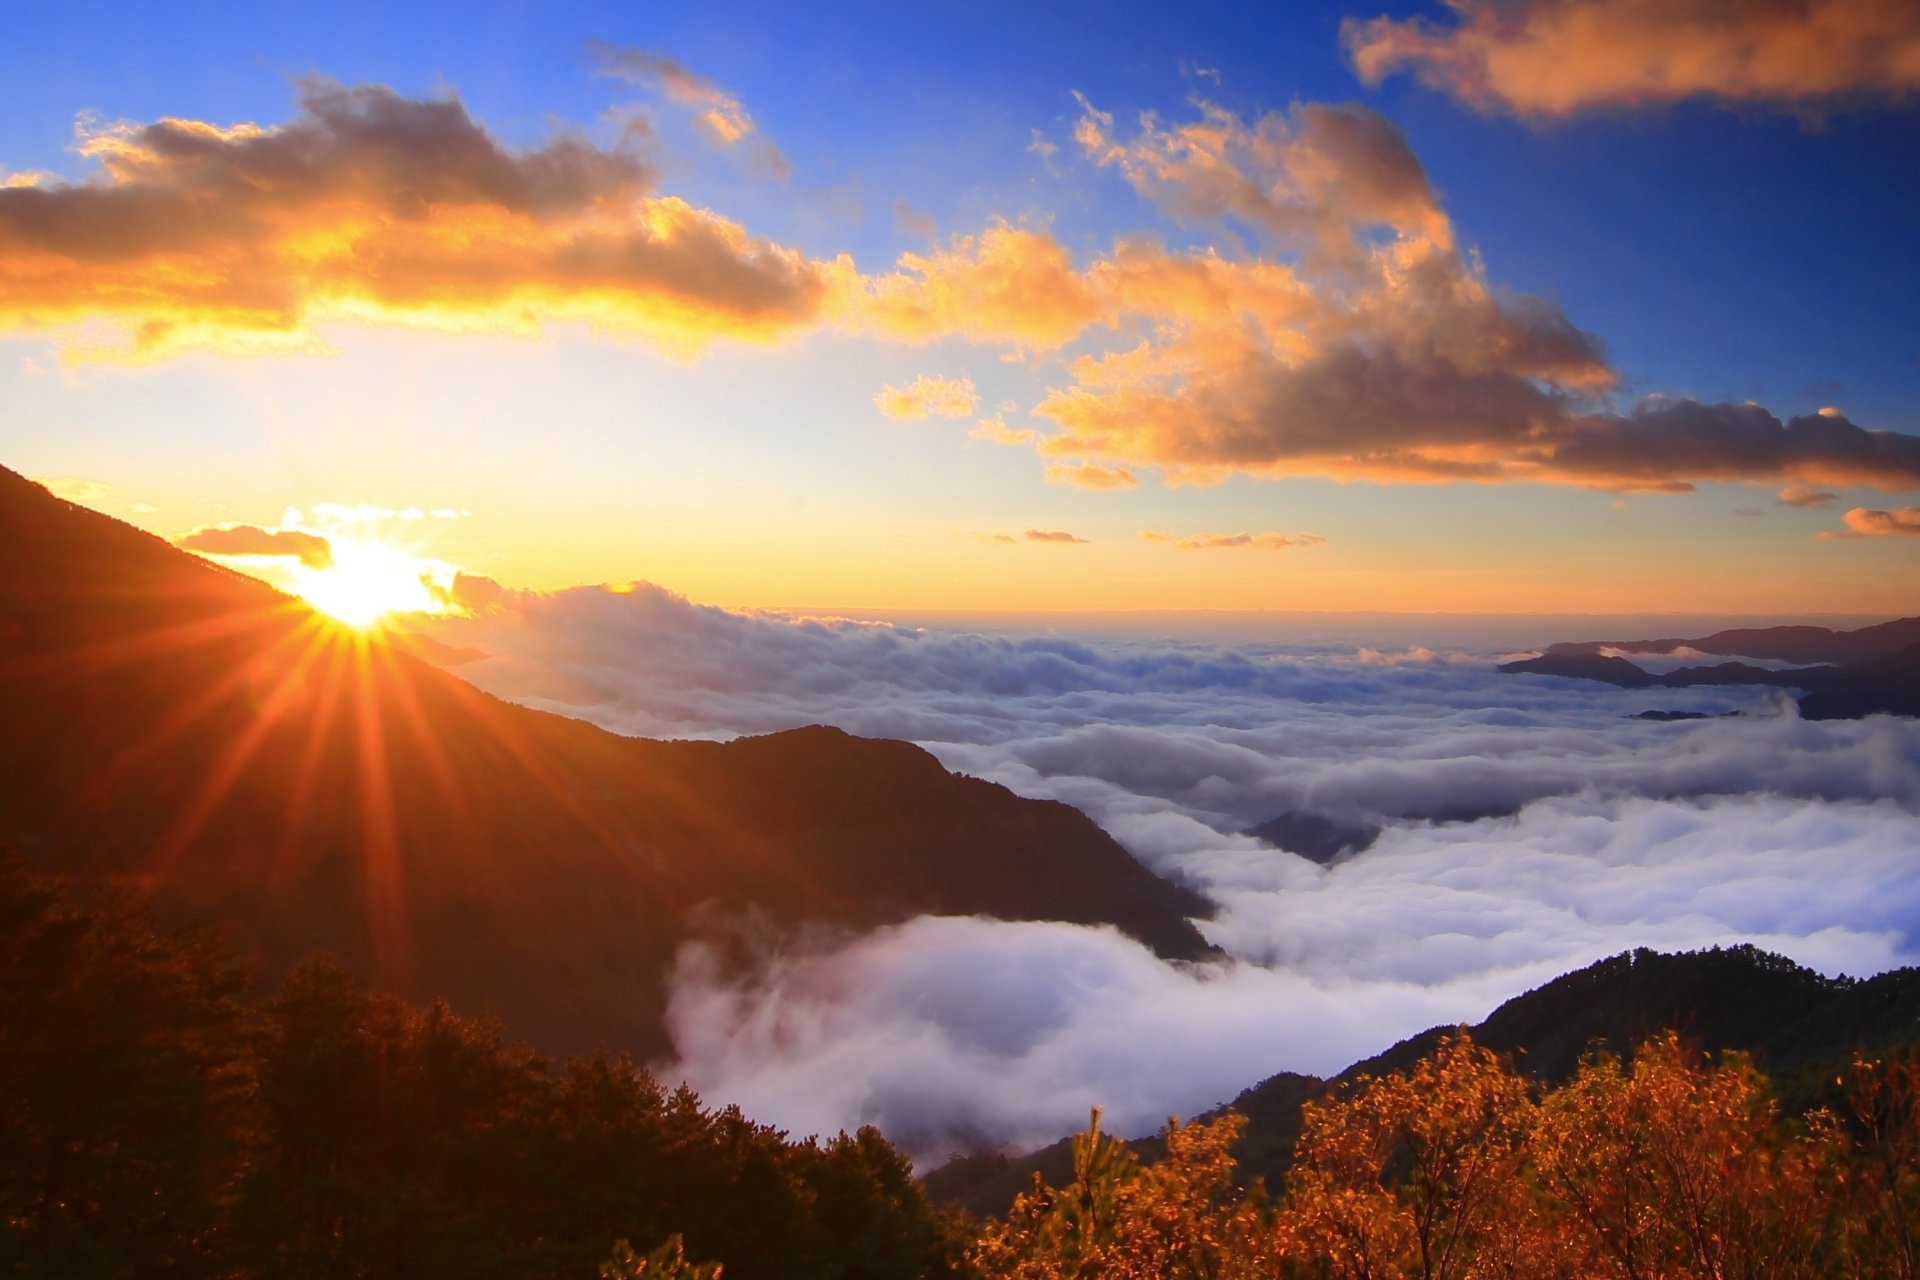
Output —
<point x="1670" y="1167"/>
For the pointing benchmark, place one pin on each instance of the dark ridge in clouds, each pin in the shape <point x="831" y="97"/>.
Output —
<point x="310" y="549"/>
<point x="1870" y="522"/>
<point x="373" y="205"/>
<point x="1526" y="828"/>
<point x="1554" y="58"/>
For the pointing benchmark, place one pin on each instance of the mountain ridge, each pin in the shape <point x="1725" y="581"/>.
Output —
<point x="1796" y="1024"/>
<point x="195" y="733"/>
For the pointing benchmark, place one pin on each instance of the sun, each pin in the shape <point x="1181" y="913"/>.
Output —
<point x="367" y="581"/>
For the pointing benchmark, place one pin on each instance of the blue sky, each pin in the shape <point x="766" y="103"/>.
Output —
<point x="1755" y="244"/>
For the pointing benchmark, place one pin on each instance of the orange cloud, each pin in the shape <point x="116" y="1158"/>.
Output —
<point x="375" y="206"/>
<point x="1052" y="535"/>
<point x="945" y="397"/>
<point x="1007" y="284"/>
<point x="1869" y="522"/>
<point x="1091" y="475"/>
<point x="1802" y="495"/>
<point x="81" y="492"/>
<point x="1365" y="345"/>
<point x="996" y="431"/>
<point x="310" y="549"/>
<point x="1234" y="541"/>
<point x="1557" y="57"/>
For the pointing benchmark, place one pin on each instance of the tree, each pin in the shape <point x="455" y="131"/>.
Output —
<point x="124" y="1083"/>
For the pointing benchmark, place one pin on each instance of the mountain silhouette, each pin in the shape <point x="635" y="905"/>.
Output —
<point x="1800" y="1028"/>
<point x="1871" y="671"/>
<point x="241" y="760"/>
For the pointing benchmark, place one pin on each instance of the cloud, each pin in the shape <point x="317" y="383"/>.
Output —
<point x="310" y="549"/>
<point x="1554" y="58"/>
<point x="1360" y="341"/>
<point x="1008" y="284"/>
<point x="1801" y="495"/>
<point x="996" y="431"/>
<point x="944" y="397"/>
<point x="1235" y="541"/>
<point x="1528" y="825"/>
<point x="717" y="113"/>
<point x="909" y="221"/>
<point x="74" y="489"/>
<point x="374" y="206"/>
<point x="1091" y="475"/>
<point x="1869" y="522"/>
<point x="950" y="1033"/>
<point x="1052" y="535"/>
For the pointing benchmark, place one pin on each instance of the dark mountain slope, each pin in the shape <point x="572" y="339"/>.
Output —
<point x="1798" y="1025"/>
<point x="250" y="764"/>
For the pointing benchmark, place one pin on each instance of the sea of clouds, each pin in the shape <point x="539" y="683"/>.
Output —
<point x="1528" y="826"/>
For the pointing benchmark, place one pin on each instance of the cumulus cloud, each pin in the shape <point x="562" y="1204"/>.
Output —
<point x="1553" y="58"/>
<point x="310" y="549"/>
<point x="1008" y="283"/>
<point x="1091" y="475"/>
<point x="1359" y="340"/>
<point x="1871" y="522"/>
<point x="1052" y="535"/>
<point x="925" y="395"/>
<point x="372" y="205"/>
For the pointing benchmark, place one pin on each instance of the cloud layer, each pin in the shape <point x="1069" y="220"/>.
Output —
<point x="1557" y="57"/>
<point x="1528" y="825"/>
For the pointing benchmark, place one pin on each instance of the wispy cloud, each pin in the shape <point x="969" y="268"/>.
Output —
<point x="1553" y="58"/>
<point x="718" y="114"/>
<point x="928" y="395"/>
<point x="1091" y="475"/>
<point x="1268" y="541"/>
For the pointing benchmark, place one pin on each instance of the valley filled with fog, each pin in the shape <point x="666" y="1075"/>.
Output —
<point x="1506" y="829"/>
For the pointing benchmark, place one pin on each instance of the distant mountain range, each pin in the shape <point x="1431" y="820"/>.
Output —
<point x="1873" y="670"/>
<point x="1799" y="1027"/>
<point x="242" y="762"/>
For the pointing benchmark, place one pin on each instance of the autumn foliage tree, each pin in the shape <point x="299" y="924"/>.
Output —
<point x="1670" y="1166"/>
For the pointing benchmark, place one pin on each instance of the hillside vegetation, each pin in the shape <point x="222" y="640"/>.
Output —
<point x="157" y="1123"/>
